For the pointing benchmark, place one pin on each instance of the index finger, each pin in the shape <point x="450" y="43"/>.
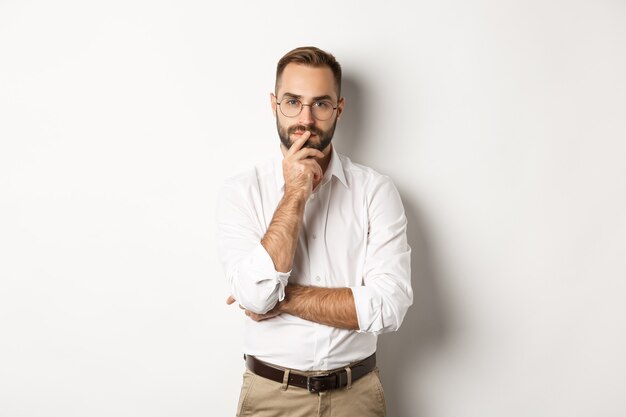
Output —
<point x="298" y="143"/>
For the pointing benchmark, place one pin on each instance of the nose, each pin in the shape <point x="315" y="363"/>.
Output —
<point x="306" y="116"/>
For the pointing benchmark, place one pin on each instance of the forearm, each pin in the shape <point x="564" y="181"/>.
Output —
<point x="330" y="306"/>
<point x="281" y="239"/>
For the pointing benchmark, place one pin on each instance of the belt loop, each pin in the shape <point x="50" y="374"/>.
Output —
<point x="349" y="373"/>
<point x="285" y="380"/>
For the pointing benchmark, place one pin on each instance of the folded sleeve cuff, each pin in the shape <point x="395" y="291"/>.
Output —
<point x="266" y="279"/>
<point x="262" y="262"/>
<point x="368" y="304"/>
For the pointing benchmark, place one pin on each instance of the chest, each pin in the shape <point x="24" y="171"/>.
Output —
<point x="332" y="240"/>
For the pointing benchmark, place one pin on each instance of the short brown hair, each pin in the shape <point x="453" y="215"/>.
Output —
<point x="313" y="57"/>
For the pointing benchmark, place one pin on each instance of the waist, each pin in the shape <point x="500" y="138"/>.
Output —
<point x="314" y="381"/>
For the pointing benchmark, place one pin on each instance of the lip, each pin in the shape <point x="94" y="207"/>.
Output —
<point x="302" y="133"/>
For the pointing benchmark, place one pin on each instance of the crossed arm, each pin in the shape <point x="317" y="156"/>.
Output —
<point x="330" y="306"/>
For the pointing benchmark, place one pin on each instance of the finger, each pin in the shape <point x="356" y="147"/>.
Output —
<point x="298" y="143"/>
<point x="258" y="317"/>
<point x="314" y="168"/>
<point x="308" y="153"/>
<point x="253" y="316"/>
<point x="230" y="300"/>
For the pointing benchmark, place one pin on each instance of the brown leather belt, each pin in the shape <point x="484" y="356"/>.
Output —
<point x="312" y="383"/>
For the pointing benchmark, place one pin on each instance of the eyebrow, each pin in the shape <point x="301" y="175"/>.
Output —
<point x="299" y="97"/>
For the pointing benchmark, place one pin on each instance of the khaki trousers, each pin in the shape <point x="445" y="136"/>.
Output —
<point x="261" y="397"/>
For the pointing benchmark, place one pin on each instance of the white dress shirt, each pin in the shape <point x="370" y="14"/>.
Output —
<point x="353" y="235"/>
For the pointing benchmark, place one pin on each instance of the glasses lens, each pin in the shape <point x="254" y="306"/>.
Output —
<point x="322" y="110"/>
<point x="290" y="107"/>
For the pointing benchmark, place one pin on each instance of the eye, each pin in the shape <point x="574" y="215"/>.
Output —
<point x="292" y="102"/>
<point x="323" y="105"/>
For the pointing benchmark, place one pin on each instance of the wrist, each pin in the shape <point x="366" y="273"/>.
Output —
<point x="296" y="195"/>
<point x="285" y="305"/>
<point x="282" y="307"/>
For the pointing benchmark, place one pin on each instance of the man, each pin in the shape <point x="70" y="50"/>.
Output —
<point x="315" y="250"/>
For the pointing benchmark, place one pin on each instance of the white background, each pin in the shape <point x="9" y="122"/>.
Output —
<point x="502" y="123"/>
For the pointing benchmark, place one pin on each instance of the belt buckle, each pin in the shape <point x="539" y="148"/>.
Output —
<point x="310" y="387"/>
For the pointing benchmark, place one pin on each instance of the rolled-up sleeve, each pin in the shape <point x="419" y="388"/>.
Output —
<point x="385" y="296"/>
<point x="253" y="279"/>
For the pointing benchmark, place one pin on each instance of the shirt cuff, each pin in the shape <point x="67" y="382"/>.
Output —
<point x="262" y="262"/>
<point x="368" y="304"/>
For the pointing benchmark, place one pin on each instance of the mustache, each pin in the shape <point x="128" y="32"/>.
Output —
<point x="314" y="130"/>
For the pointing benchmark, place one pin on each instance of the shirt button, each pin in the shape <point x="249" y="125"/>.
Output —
<point x="312" y="196"/>
<point x="318" y="279"/>
<point x="314" y="236"/>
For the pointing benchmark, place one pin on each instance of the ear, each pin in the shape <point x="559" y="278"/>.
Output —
<point x="340" y="107"/>
<point x="273" y="103"/>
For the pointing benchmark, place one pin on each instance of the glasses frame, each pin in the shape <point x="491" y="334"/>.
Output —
<point x="302" y="105"/>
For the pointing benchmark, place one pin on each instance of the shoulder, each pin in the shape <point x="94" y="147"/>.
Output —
<point x="252" y="178"/>
<point x="364" y="177"/>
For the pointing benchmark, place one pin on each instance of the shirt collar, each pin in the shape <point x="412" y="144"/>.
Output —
<point x="335" y="169"/>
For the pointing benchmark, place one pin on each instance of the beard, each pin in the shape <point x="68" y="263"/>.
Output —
<point x="324" y="136"/>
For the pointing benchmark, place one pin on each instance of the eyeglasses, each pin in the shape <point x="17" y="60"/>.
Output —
<point x="321" y="109"/>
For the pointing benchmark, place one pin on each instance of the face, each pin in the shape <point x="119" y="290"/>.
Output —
<point x="307" y="84"/>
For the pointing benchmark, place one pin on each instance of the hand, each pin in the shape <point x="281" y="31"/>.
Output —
<point x="300" y="170"/>
<point x="254" y="316"/>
